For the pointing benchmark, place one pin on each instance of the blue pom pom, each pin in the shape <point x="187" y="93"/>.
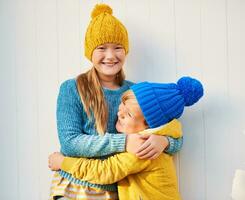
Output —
<point x="191" y="89"/>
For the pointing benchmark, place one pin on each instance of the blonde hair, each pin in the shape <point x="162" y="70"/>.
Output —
<point x="129" y="96"/>
<point x="92" y="97"/>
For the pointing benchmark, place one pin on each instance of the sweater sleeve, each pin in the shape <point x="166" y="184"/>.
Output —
<point x="107" y="171"/>
<point x="174" y="145"/>
<point x="174" y="137"/>
<point x="74" y="142"/>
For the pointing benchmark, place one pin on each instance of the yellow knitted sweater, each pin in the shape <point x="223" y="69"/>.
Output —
<point x="137" y="178"/>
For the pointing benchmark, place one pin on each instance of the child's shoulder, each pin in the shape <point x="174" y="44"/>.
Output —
<point x="68" y="83"/>
<point x="68" y="86"/>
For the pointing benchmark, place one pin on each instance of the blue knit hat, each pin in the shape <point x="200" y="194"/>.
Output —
<point x="162" y="102"/>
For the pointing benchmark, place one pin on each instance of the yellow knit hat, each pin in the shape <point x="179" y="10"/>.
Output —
<point x="104" y="28"/>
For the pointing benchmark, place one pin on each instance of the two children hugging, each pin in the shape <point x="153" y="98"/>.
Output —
<point x="147" y="108"/>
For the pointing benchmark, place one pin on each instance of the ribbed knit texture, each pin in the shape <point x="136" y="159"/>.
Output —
<point x="104" y="28"/>
<point x="161" y="102"/>
<point x="79" y="138"/>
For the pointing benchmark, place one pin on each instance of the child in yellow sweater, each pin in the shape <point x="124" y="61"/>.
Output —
<point x="147" y="108"/>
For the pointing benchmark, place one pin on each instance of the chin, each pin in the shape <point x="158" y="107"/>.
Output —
<point x="112" y="72"/>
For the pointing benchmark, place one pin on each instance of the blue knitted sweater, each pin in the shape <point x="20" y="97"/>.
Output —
<point x="78" y="136"/>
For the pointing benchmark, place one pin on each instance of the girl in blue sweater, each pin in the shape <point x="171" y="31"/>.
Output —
<point x="87" y="110"/>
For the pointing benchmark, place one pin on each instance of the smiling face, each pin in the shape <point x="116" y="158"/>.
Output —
<point x="130" y="116"/>
<point x="108" y="59"/>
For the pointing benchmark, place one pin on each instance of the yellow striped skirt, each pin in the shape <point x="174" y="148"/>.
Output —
<point x="62" y="187"/>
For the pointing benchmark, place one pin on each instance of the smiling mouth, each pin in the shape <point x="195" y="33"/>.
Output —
<point x="109" y="64"/>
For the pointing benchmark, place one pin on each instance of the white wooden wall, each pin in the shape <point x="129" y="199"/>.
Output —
<point x="41" y="44"/>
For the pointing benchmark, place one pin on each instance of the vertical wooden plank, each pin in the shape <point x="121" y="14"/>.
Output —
<point x="47" y="80"/>
<point x="188" y="37"/>
<point x="68" y="38"/>
<point x="188" y="61"/>
<point x="215" y="74"/>
<point x="162" y="41"/>
<point x="8" y="144"/>
<point x="240" y="147"/>
<point x="139" y="57"/>
<point x="236" y="84"/>
<point x="27" y="101"/>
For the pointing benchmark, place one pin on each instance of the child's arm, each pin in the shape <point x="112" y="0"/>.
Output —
<point x="172" y="133"/>
<point x="74" y="142"/>
<point x="107" y="171"/>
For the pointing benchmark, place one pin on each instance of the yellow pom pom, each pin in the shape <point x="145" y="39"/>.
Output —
<point x="101" y="8"/>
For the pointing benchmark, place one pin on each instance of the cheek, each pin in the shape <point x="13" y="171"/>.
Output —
<point x="121" y="56"/>
<point x="129" y="125"/>
<point x="96" y="57"/>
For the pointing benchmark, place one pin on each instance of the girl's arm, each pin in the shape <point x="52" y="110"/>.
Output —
<point x="156" y="144"/>
<point x="70" y="119"/>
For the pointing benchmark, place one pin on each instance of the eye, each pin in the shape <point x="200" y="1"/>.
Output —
<point x="119" y="47"/>
<point x="129" y="114"/>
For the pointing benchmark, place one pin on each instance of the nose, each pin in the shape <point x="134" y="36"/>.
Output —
<point x="110" y="54"/>
<point x="120" y="112"/>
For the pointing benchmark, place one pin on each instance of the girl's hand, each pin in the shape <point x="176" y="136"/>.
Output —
<point x="134" y="142"/>
<point x="152" y="147"/>
<point x="55" y="160"/>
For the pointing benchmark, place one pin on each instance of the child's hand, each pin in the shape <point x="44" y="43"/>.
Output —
<point x="55" y="160"/>
<point x="134" y="142"/>
<point x="153" y="146"/>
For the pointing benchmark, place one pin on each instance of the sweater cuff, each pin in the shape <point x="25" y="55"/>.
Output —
<point x="174" y="145"/>
<point x="171" y="146"/>
<point x="68" y="163"/>
<point x="118" y="142"/>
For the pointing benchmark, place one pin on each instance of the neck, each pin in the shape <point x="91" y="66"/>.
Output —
<point x="108" y="81"/>
<point x="110" y="84"/>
